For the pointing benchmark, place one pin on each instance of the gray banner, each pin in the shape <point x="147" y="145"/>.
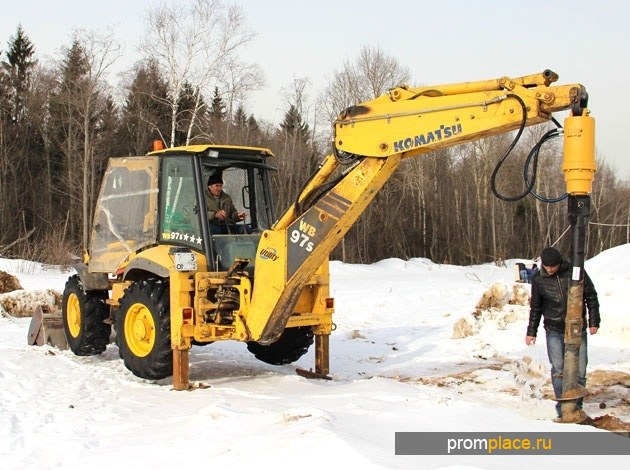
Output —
<point x="511" y="443"/>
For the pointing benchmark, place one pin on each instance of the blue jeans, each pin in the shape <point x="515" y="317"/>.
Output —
<point x="555" y="351"/>
<point x="523" y="275"/>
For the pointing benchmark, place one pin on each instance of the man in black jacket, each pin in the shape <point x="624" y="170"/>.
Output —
<point x="550" y="288"/>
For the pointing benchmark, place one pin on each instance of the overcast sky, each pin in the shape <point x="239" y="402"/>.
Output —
<point x="583" y="41"/>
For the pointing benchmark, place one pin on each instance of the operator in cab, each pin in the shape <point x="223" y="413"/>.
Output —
<point x="222" y="214"/>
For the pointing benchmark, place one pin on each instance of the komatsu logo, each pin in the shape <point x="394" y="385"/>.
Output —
<point x="444" y="132"/>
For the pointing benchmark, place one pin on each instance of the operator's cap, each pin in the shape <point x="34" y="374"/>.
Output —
<point x="551" y="257"/>
<point x="215" y="179"/>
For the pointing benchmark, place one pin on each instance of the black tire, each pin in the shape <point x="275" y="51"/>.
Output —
<point x="84" y="314"/>
<point x="143" y="328"/>
<point x="292" y="345"/>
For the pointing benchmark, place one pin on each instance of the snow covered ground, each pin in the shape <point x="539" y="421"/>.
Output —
<point x="394" y="361"/>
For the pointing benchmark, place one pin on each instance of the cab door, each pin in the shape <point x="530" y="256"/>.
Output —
<point x="180" y="211"/>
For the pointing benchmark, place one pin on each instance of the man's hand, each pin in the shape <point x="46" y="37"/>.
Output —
<point x="593" y="329"/>
<point x="220" y="214"/>
<point x="530" y="340"/>
<point x="241" y="216"/>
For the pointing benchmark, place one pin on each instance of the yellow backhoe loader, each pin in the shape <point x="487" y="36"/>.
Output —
<point x="159" y="273"/>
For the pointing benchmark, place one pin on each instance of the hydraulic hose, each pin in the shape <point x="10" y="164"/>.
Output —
<point x="532" y="160"/>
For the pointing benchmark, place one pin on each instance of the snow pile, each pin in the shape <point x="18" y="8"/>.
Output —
<point x="22" y="303"/>
<point x="610" y="272"/>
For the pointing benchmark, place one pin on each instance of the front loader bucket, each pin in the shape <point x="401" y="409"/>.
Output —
<point x="47" y="328"/>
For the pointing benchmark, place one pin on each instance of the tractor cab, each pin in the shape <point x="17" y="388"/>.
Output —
<point x="184" y="192"/>
<point x="161" y="199"/>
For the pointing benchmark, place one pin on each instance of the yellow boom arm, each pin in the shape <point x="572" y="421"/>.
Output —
<point x="413" y="121"/>
<point x="375" y="136"/>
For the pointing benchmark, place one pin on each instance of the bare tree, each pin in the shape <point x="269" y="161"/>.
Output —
<point x="238" y="80"/>
<point x="292" y="141"/>
<point x="44" y="82"/>
<point x="372" y="74"/>
<point x="79" y="99"/>
<point x="193" y="44"/>
<point x="101" y="51"/>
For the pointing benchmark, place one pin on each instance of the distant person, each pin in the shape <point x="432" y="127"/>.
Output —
<point x="522" y="272"/>
<point x="550" y="289"/>
<point x="222" y="214"/>
<point x="531" y="271"/>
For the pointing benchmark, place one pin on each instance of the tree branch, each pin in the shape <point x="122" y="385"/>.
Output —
<point x="15" y="242"/>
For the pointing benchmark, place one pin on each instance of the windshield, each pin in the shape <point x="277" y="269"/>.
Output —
<point x="124" y="218"/>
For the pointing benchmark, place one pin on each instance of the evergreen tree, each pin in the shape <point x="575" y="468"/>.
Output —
<point x="246" y="129"/>
<point x="20" y="144"/>
<point x="240" y="118"/>
<point x="68" y="139"/>
<point x="254" y="134"/>
<point x="74" y="67"/>
<point x="5" y="85"/>
<point x="146" y="113"/>
<point x="217" y="118"/>
<point x="293" y="127"/>
<point x="218" y="110"/>
<point x="252" y="125"/>
<point x="20" y="56"/>
<point x="105" y="128"/>
<point x="64" y="113"/>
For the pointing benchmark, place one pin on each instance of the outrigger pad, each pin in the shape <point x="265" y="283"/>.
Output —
<point x="309" y="374"/>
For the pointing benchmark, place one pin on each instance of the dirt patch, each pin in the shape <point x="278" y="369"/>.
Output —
<point x="8" y="283"/>
<point x="471" y="375"/>
<point x="611" y="423"/>
<point x="611" y="389"/>
<point x="608" y="378"/>
<point x="608" y="390"/>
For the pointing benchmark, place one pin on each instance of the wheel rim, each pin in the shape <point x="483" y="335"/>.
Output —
<point x="139" y="330"/>
<point x="73" y="315"/>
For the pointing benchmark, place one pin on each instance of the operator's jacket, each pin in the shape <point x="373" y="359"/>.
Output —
<point x="214" y="205"/>
<point x="549" y="300"/>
